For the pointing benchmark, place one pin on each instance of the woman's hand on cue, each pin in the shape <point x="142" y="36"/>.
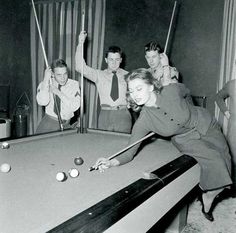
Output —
<point x="104" y="163"/>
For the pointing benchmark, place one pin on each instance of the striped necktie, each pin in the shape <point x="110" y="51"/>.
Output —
<point x="114" y="87"/>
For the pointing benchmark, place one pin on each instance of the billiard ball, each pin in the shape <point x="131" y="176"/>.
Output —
<point x="5" y="145"/>
<point x="5" y="167"/>
<point x="78" y="161"/>
<point x="73" y="172"/>
<point x="61" y="176"/>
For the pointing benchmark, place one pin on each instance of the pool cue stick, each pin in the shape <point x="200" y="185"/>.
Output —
<point x="40" y="36"/>
<point x="126" y="148"/>
<point x="46" y="62"/>
<point x="82" y="80"/>
<point x="169" y="30"/>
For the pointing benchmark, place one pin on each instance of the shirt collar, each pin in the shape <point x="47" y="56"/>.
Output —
<point x="110" y="71"/>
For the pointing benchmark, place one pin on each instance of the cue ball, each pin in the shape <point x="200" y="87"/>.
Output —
<point x="5" y="145"/>
<point x="61" y="176"/>
<point x="5" y="167"/>
<point x="73" y="172"/>
<point x="78" y="161"/>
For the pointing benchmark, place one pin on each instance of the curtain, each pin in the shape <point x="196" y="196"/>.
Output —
<point x="96" y="30"/>
<point x="228" y="54"/>
<point x="60" y="25"/>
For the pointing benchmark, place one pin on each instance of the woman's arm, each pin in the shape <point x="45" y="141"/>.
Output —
<point x="139" y="131"/>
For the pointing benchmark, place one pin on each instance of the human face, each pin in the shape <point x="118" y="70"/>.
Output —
<point x="140" y="91"/>
<point x="113" y="61"/>
<point x="61" y="75"/>
<point x="153" y="59"/>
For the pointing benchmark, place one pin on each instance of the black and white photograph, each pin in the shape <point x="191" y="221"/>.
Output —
<point x="117" y="116"/>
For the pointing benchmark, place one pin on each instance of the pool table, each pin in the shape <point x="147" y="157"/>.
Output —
<point x="121" y="199"/>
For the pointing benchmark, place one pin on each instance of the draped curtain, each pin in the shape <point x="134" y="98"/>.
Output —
<point x="60" y="25"/>
<point x="96" y="32"/>
<point x="228" y="54"/>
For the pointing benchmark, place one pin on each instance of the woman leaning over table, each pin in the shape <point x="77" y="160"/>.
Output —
<point x="165" y="111"/>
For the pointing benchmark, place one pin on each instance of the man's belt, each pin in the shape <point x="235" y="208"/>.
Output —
<point x="108" y="107"/>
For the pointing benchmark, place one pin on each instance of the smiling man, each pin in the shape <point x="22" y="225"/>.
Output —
<point x="159" y="68"/>
<point x="67" y="97"/>
<point x="111" y="87"/>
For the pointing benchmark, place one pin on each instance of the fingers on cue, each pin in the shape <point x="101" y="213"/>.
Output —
<point x="102" y="164"/>
<point x="103" y="167"/>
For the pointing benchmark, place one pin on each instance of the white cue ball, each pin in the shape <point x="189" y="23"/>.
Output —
<point x="5" y="167"/>
<point x="73" y="172"/>
<point x="61" y="176"/>
<point x="5" y="145"/>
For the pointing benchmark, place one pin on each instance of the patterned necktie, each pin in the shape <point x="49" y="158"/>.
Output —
<point x="114" y="87"/>
<point x="58" y="102"/>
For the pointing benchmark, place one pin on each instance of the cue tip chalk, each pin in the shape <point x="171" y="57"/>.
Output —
<point x="149" y="176"/>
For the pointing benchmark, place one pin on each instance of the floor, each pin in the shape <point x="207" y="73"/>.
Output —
<point x="224" y="214"/>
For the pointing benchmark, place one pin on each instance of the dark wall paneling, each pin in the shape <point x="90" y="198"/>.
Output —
<point x="194" y="46"/>
<point x="15" y="68"/>
<point x="197" y="44"/>
<point x="132" y="24"/>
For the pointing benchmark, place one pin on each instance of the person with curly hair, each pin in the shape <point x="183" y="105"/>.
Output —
<point x="193" y="131"/>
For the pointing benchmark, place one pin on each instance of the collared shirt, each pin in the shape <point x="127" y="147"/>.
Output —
<point x="103" y="81"/>
<point x="70" y="101"/>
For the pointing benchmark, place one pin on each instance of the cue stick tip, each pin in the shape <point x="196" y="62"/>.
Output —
<point x="92" y="169"/>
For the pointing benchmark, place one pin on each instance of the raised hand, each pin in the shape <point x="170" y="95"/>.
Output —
<point x="164" y="59"/>
<point x="82" y="37"/>
<point x="48" y="74"/>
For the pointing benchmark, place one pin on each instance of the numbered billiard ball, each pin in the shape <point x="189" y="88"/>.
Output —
<point x="73" y="172"/>
<point x="61" y="176"/>
<point x="5" y="145"/>
<point x="5" y="167"/>
<point x="78" y="161"/>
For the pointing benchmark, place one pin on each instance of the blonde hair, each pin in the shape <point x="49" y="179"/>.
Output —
<point x="148" y="78"/>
